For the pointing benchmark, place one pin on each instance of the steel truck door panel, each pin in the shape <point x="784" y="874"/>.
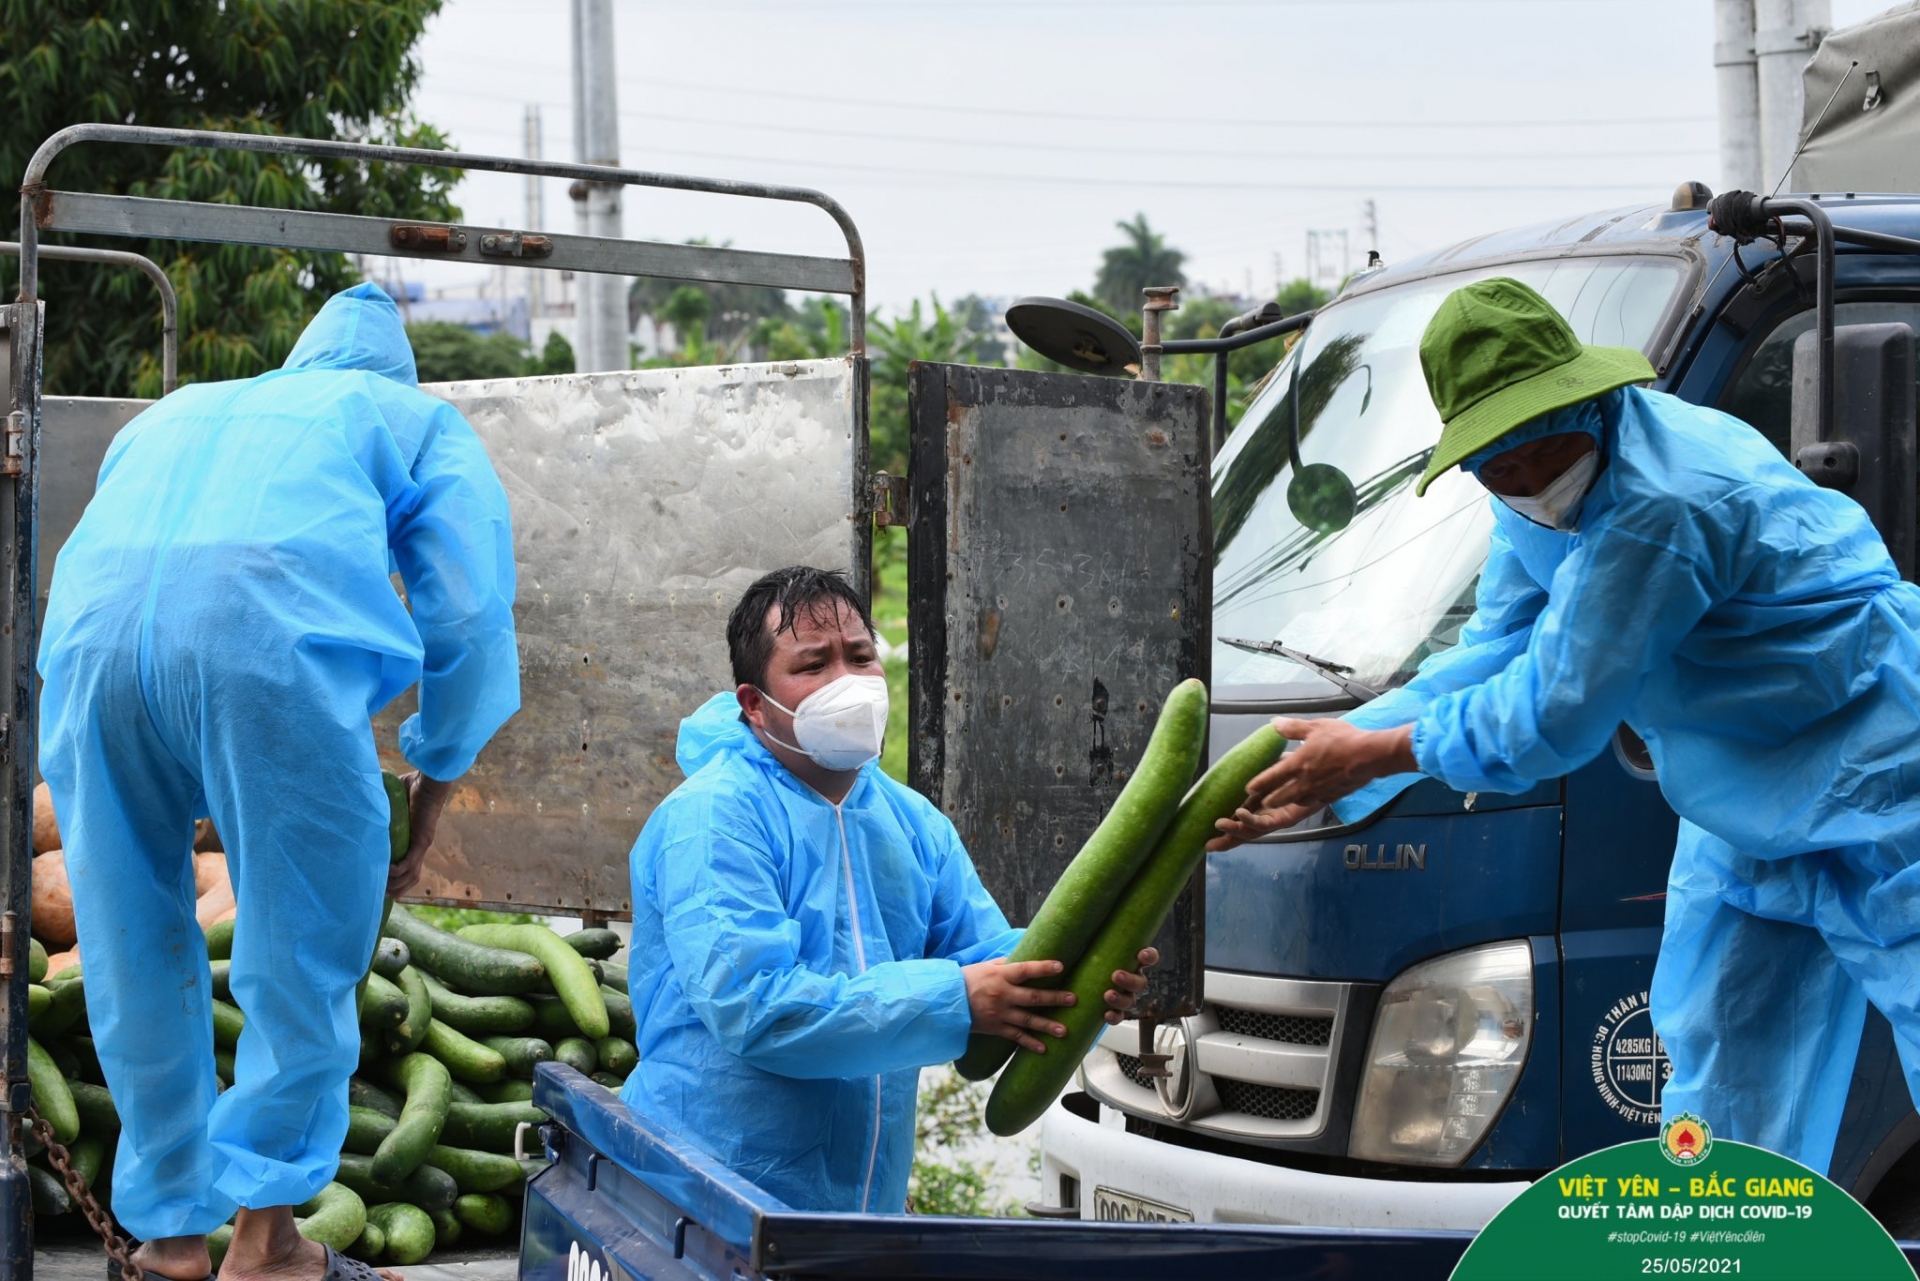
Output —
<point x="643" y="504"/>
<point x="74" y="434"/>
<point x="1060" y="567"/>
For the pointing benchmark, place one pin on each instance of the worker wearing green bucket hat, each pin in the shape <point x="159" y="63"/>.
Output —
<point x="1657" y="564"/>
<point x="1499" y="359"/>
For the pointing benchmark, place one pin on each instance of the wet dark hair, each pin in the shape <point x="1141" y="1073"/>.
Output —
<point x="820" y="594"/>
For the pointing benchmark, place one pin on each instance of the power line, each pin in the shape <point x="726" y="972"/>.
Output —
<point x="1021" y="113"/>
<point x="960" y="10"/>
<point x="1239" y="154"/>
<point x="949" y="176"/>
<point x="1189" y="184"/>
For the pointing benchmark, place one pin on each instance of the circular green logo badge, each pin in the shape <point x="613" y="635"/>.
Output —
<point x="1684" y="1204"/>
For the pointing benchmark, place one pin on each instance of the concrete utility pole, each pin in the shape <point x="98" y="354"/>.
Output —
<point x="536" y="216"/>
<point x="1372" y="218"/>
<point x="1733" y="66"/>
<point x="1785" y="34"/>
<point x="602" y="310"/>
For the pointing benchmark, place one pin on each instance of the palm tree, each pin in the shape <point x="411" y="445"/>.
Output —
<point x="1146" y="259"/>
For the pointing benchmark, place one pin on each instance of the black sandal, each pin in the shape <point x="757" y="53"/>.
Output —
<point x="342" y="1268"/>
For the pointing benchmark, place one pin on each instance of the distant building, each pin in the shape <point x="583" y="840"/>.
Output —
<point x="484" y="310"/>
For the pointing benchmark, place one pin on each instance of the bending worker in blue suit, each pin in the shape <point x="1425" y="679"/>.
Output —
<point x="1661" y="564"/>
<point x="220" y="628"/>
<point x="807" y="933"/>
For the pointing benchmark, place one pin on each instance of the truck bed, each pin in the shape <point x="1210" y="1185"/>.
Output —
<point x="619" y="1192"/>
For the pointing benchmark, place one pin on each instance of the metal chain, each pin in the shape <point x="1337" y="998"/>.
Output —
<point x="118" y="1248"/>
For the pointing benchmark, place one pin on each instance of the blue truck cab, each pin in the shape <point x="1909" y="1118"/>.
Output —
<point x="1411" y="1016"/>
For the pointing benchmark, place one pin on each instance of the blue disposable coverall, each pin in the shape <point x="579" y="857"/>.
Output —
<point x="1751" y="627"/>
<point x="795" y="964"/>
<point x="220" y="627"/>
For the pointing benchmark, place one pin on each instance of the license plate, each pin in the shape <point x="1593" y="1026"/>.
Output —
<point x="1125" y="1207"/>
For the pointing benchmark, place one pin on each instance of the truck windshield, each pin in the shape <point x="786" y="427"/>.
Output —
<point x="1393" y="586"/>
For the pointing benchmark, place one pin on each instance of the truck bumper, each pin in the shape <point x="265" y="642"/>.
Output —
<point x="1102" y="1157"/>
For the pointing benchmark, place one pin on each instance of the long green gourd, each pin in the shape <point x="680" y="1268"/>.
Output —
<point x="1033" y="1081"/>
<point x="399" y="837"/>
<point x="565" y="968"/>
<point x="1083" y="897"/>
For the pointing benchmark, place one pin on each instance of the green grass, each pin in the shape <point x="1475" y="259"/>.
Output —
<point x="890" y="584"/>
<point x="890" y="618"/>
<point x="452" y="918"/>
<point x="893" y="757"/>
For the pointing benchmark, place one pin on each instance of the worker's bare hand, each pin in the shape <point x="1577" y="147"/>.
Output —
<point x="1001" y="1006"/>
<point x="1129" y="984"/>
<point x="1331" y="759"/>
<point x="1250" y="823"/>
<point x="426" y="797"/>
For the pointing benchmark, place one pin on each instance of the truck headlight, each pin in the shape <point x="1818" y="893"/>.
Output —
<point x="1449" y="1041"/>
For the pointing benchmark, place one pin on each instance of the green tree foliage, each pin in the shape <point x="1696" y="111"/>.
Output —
<point x="1301" y="295"/>
<point x="895" y="345"/>
<point x="736" y="318"/>
<point x="943" y="1181"/>
<point x="1145" y="259"/>
<point x="449" y="353"/>
<point x="1247" y="368"/>
<point x="813" y="331"/>
<point x="976" y="314"/>
<point x="446" y="353"/>
<point x="342" y="69"/>
<point x="556" y="357"/>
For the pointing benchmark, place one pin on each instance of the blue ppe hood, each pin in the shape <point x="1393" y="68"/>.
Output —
<point x="1583" y="417"/>
<point x="358" y="328"/>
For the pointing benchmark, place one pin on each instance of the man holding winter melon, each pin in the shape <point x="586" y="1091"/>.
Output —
<point x="1659" y="564"/>
<point x="222" y="656"/>
<point x="807" y="932"/>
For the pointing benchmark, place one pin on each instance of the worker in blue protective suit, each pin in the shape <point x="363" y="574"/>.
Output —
<point x="807" y="932"/>
<point x="220" y="627"/>
<point x="1660" y="564"/>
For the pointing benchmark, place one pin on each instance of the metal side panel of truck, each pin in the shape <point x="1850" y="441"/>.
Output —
<point x="1508" y="941"/>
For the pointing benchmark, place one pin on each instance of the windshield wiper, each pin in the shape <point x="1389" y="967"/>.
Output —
<point x="1337" y="673"/>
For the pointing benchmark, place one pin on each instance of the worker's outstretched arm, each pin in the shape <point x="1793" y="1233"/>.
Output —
<point x="1506" y="603"/>
<point x="454" y="549"/>
<point x="737" y="951"/>
<point x="1622" y="603"/>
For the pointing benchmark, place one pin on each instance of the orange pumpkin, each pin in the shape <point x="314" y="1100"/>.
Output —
<point x="52" y="910"/>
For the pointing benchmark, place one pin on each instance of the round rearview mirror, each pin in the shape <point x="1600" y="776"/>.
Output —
<point x="1076" y="336"/>
<point x="1322" y="498"/>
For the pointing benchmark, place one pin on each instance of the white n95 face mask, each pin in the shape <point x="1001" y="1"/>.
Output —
<point x="1558" y="505"/>
<point x="842" y="724"/>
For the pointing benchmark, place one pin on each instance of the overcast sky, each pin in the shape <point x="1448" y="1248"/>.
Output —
<point x="988" y="146"/>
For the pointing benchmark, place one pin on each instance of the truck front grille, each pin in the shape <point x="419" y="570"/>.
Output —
<point x="1290" y="1028"/>
<point x="1270" y="1102"/>
<point x="1258" y="1064"/>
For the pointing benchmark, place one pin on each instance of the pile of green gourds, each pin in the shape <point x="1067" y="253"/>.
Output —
<point x="452" y="1025"/>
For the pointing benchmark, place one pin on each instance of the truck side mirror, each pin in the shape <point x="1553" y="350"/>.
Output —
<point x="1870" y="455"/>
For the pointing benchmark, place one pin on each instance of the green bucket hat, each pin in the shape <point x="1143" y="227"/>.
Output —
<point x="1497" y="355"/>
